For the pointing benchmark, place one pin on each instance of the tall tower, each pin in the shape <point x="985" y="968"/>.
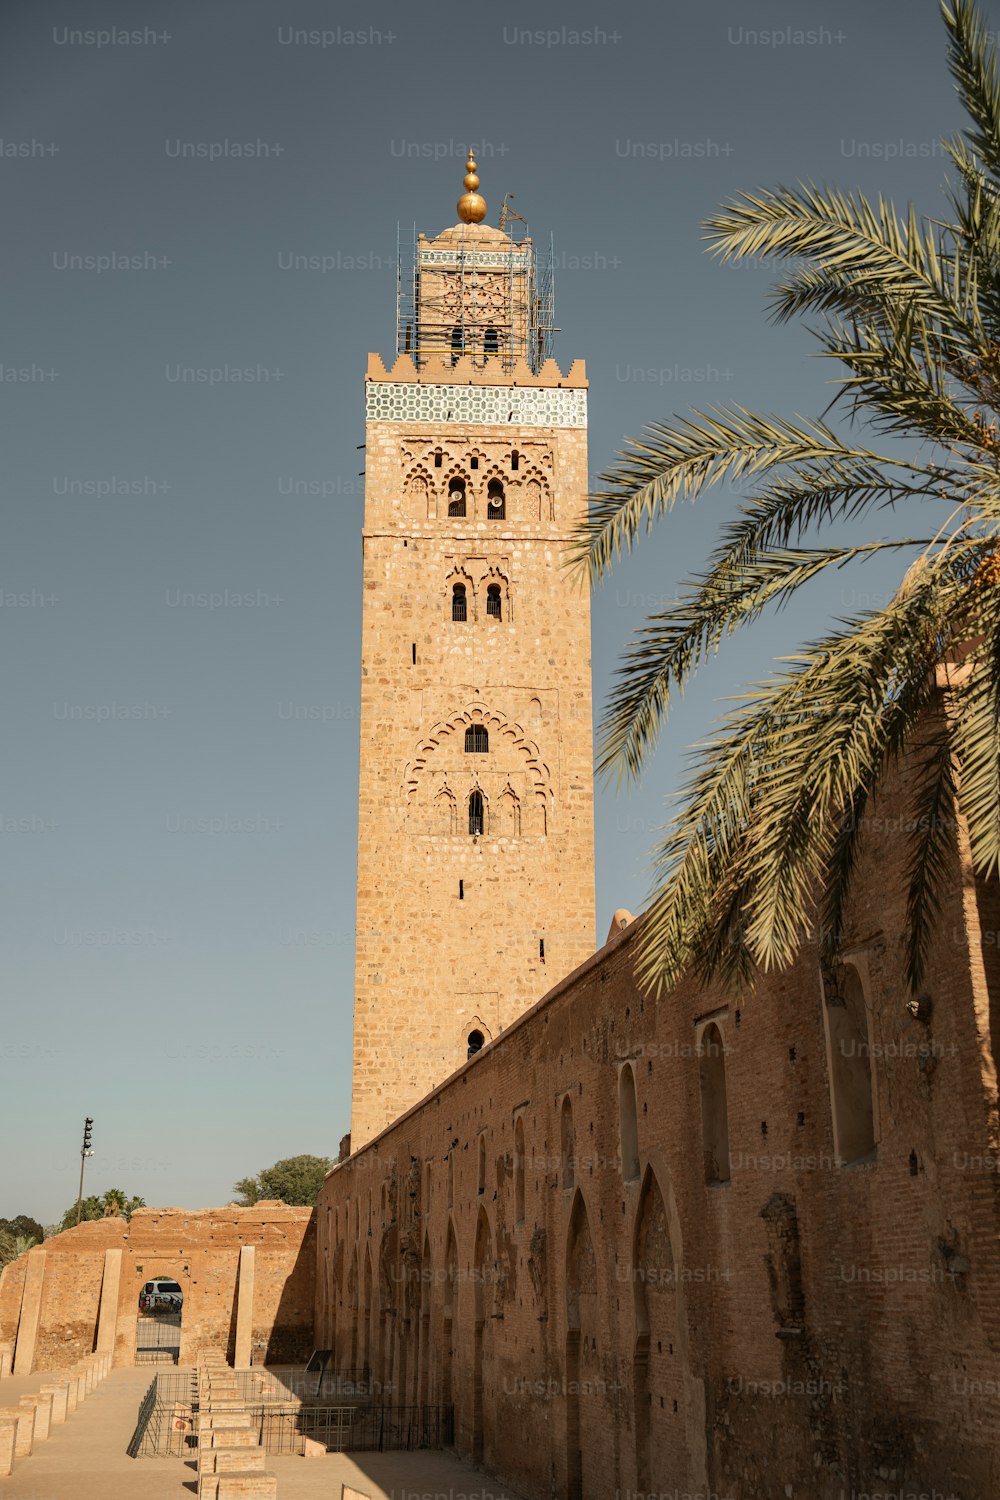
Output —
<point x="475" y="842"/>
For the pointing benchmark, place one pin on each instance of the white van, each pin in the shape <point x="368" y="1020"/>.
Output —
<point x="161" y="1294"/>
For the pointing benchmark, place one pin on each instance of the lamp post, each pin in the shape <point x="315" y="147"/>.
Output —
<point x="85" y="1151"/>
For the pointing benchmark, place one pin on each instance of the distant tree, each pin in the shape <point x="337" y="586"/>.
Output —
<point x="24" y="1225"/>
<point x="109" y="1204"/>
<point x="296" y="1180"/>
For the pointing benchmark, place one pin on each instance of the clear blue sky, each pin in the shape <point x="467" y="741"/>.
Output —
<point x="178" y="816"/>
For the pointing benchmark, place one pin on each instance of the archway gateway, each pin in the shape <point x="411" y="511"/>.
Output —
<point x="158" y="1323"/>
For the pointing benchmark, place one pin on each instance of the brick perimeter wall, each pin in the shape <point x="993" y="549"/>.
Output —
<point x="807" y="1329"/>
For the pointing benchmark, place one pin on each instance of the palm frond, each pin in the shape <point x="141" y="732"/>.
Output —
<point x="667" y="650"/>
<point x="849" y="241"/>
<point x="761" y="810"/>
<point x="976" y="735"/>
<point x="777" y="809"/>
<point x="679" y="460"/>
<point x="972" y="64"/>
<point x="933" y="819"/>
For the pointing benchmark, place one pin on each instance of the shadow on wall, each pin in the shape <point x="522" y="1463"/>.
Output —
<point x="286" y="1338"/>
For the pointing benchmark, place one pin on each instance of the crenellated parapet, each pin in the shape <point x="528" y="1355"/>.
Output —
<point x="439" y="370"/>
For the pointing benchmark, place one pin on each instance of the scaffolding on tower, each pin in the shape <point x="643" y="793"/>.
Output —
<point x="490" y="299"/>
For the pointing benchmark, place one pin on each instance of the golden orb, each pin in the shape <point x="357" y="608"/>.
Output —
<point x="471" y="208"/>
<point x="471" y="205"/>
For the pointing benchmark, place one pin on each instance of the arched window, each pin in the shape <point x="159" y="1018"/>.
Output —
<point x="508" y="814"/>
<point x="459" y="603"/>
<point x="496" y="508"/>
<point x="437" y="458"/>
<point x="491" y="341"/>
<point x="493" y="608"/>
<point x="628" y="1124"/>
<point x="444" y="812"/>
<point x="476" y="813"/>
<point x="456" y="344"/>
<point x="568" y="1149"/>
<point x="850" y="1067"/>
<point x="519" y="1171"/>
<point x="714" y="1107"/>
<point x="515" y="459"/>
<point x="456" y="497"/>
<point x="475" y="1042"/>
<point x="477" y="740"/>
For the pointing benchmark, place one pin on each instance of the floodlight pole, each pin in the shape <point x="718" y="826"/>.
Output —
<point x="85" y="1151"/>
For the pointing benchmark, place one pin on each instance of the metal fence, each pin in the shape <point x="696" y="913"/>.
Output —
<point x="358" y="1429"/>
<point x="167" y="1424"/>
<point x="166" y="1420"/>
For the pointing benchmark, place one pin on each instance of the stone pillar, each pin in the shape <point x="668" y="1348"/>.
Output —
<point x="8" y="1437"/>
<point x="244" y="1308"/>
<point x="107" y="1317"/>
<point x="25" y="1420"/>
<point x="42" y="1403"/>
<point x="59" y="1391"/>
<point x="31" y="1303"/>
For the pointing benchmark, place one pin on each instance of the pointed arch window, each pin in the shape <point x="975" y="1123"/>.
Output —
<point x="519" y="1171"/>
<point x="714" y="1106"/>
<point x="477" y="740"/>
<point x="476" y="814"/>
<point x="628" y="1124"/>
<point x="496" y="504"/>
<point x="474" y="1042"/>
<point x="491" y="341"/>
<point x="459" y="603"/>
<point x="567" y="1142"/>
<point x="456" y="497"/>
<point x="493" y="605"/>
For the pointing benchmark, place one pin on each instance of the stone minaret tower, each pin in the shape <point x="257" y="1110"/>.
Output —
<point x="475" y="845"/>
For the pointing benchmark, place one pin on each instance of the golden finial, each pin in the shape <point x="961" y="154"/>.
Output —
<point x="471" y="206"/>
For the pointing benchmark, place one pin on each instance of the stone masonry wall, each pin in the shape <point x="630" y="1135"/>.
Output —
<point x="459" y="934"/>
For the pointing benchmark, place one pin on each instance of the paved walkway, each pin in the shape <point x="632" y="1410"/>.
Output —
<point x="85" y="1459"/>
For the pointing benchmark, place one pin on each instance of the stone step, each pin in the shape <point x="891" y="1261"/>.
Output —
<point x="238" y="1487"/>
<point x="231" y="1460"/>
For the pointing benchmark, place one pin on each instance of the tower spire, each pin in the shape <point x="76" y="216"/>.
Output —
<point x="471" y="205"/>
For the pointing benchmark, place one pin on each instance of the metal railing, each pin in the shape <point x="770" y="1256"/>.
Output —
<point x="166" y="1418"/>
<point x="169" y="1427"/>
<point x="358" y="1429"/>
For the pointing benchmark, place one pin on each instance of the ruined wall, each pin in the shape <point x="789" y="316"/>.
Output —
<point x="201" y="1250"/>
<point x="637" y="1303"/>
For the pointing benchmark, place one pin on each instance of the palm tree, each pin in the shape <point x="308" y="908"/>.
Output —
<point x="116" y="1203"/>
<point x="767" y="836"/>
<point x="13" y="1245"/>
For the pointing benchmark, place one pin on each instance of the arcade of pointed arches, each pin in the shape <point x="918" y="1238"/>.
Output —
<point x="499" y="483"/>
<point x="396" y="1294"/>
<point x="472" y="794"/>
<point x="476" y="592"/>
